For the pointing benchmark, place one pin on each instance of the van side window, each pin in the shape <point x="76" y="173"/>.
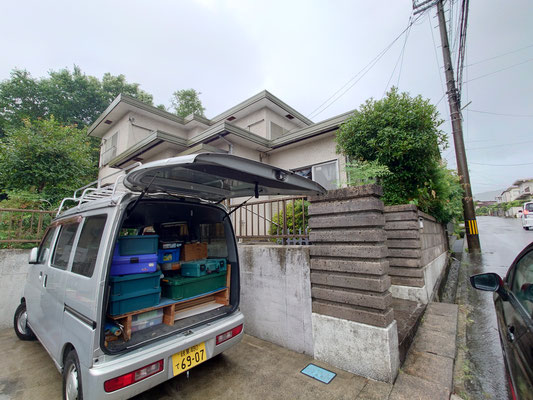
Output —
<point x="64" y="246"/>
<point x="44" y="250"/>
<point x="88" y="245"/>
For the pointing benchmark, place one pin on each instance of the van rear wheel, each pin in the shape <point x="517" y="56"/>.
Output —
<point x="20" y="323"/>
<point x="72" y="389"/>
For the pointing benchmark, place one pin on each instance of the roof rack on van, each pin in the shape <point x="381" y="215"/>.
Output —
<point x="95" y="190"/>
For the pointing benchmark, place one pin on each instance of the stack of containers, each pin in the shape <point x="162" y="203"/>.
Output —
<point x="135" y="281"/>
<point x="197" y="277"/>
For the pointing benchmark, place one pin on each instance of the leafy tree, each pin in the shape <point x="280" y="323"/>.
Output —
<point x="73" y="98"/>
<point x="402" y="133"/>
<point x="43" y="160"/>
<point x="186" y="102"/>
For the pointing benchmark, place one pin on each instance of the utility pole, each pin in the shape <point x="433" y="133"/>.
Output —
<point x="472" y="234"/>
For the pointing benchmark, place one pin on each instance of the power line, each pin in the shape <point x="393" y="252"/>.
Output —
<point x="501" y="165"/>
<point x="436" y="56"/>
<point x="500" y="70"/>
<point x="502" y="114"/>
<point x="499" y="145"/>
<point x="348" y="85"/>
<point x="400" y="57"/>
<point x="500" y="55"/>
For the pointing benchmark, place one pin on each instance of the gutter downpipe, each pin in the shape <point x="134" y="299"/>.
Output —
<point x="230" y="151"/>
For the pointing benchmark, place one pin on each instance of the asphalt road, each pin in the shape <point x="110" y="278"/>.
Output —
<point x="501" y="241"/>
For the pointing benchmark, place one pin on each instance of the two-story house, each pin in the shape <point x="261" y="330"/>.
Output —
<point x="525" y="188"/>
<point x="262" y="128"/>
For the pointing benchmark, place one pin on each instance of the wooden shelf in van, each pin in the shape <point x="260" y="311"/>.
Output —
<point x="171" y="307"/>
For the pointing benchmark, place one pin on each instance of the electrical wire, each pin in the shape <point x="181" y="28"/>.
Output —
<point x="501" y="114"/>
<point x="400" y="57"/>
<point x="500" y="70"/>
<point x="356" y="78"/>
<point x="499" y="145"/>
<point x="436" y="55"/>
<point x="501" y="165"/>
<point x="500" y="55"/>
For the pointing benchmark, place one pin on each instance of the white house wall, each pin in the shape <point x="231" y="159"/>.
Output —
<point x="254" y="122"/>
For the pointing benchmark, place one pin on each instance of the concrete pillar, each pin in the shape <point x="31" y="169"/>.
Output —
<point x="353" y="321"/>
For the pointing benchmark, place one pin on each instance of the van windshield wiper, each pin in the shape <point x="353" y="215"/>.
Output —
<point x="145" y="190"/>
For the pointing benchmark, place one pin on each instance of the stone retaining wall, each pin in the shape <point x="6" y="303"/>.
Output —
<point x="353" y="321"/>
<point x="417" y="251"/>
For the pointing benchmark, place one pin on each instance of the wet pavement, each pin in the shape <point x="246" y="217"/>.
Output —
<point x="501" y="241"/>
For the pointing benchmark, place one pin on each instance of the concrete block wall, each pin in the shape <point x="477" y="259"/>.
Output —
<point x="417" y="251"/>
<point x="14" y="268"/>
<point x="349" y="267"/>
<point x="353" y="321"/>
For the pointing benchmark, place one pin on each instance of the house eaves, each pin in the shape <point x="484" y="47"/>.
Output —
<point x="135" y="104"/>
<point x="224" y="127"/>
<point x="148" y="143"/>
<point x="520" y="181"/>
<point x="258" y="97"/>
<point x="320" y="128"/>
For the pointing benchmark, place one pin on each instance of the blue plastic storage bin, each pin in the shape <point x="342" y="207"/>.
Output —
<point x="168" y="256"/>
<point x="123" y="304"/>
<point x="127" y="284"/>
<point x="133" y="264"/>
<point x="135" y="245"/>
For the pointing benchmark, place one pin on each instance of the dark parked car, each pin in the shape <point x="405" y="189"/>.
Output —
<point x="513" y="301"/>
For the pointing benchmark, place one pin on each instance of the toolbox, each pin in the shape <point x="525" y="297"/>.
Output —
<point x="127" y="284"/>
<point x="203" y="267"/>
<point x="133" y="264"/>
<point x="121" y="304"/>
<point x="135" y="245"/>
<point x="193" y="251"/>
<point x="169" y="245"/>
<point x="168" y="255"/>
<point x="179" y="287"/>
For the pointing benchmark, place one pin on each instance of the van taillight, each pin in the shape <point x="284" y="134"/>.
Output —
<point x="229" y="334"/>
<point x="132" y="377"/>
<point x="526" y="212"/>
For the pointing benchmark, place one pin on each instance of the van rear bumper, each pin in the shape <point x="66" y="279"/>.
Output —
<point x="93" y="379"/>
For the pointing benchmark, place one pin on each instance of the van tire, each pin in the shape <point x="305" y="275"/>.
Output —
<point x="72" y="388"/>
<point x="20" y="323"/>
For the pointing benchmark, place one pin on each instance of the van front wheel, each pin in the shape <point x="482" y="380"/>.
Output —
<point x="20" y="323"/>
<point x="72" y="389"/>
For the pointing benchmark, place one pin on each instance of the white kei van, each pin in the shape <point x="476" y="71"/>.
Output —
<point x="527" y="215"/>
<point x="110" y="344"/>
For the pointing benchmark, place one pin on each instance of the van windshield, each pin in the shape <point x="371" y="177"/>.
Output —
<point x="528" y="207"/>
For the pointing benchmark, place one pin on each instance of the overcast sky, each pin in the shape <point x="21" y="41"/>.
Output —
<point x="302" y="52"/>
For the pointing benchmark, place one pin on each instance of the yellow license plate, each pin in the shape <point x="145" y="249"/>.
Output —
<point x="186" y="359"/>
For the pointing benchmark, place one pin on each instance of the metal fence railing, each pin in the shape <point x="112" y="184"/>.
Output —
<point x="19" y="226"/>
<point x="282" y="221"/>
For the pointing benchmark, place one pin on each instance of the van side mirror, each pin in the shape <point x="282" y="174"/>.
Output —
<point x="33" y="255"/>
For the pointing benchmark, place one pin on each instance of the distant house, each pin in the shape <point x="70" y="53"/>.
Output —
<point x="261" y="128"/>
<point x="525" y="188"/>
<point x="510" y="194"/>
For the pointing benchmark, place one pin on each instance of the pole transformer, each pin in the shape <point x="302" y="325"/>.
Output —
<point x="472" y="234"/>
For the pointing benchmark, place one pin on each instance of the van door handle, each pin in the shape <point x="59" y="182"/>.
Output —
<point x="40" y="275"/>
<point x="44" y="280"/>
<point x="510" y="333"/>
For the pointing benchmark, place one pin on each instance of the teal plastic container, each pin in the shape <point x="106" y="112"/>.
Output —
<point x="203" y="267"/>
<point x="135" y="301"/>
<point x="128" y="284"/>
<point x="180" y="287"/>
<point x="136" y="245"/>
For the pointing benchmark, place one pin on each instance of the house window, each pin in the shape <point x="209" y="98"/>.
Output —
<point x="327" y="174"/>
<point x="109" y="149"/>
